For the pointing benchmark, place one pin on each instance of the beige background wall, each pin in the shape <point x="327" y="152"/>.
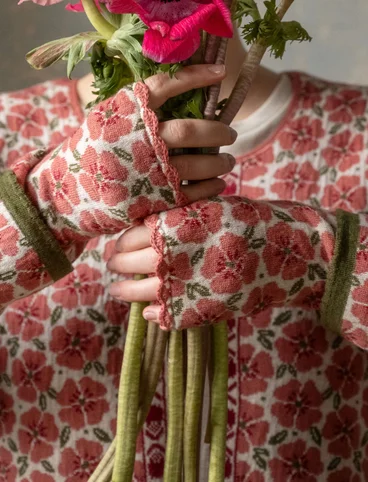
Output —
<point x="338" y="51"/>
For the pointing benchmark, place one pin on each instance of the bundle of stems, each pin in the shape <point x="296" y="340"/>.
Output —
<point x="187" y="361"/>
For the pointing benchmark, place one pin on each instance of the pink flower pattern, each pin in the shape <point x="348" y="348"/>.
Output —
<point x="298" y="395"/>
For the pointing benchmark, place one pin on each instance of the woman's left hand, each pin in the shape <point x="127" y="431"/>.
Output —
<point x="136" y="256"/>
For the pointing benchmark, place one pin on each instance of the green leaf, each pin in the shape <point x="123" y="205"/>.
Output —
<point x="234" y="299"/>
<point x="24" y="465"/>
<point x="101" y="435"/>
<point x="257" y="243"/>
<point x="56" y="315"/>
<point x="99" y="367"/>
<point x="315" y="238"/>
<point x="123" y="154"/>
<point x="51" y="392"/>
<point x="317" y="109"/>
<point x="292" y="370"/>
<point x="246" y="8"/>
<point x="282" y="318"/>
<point x="364" y="439"/>
<point x="95" y="255"/>
<point x="52" y="52"/>
<point x="283" y="216"/>
<point x="43" y="402"/>
<point x="336" y="401"/>
<point x="316" y="270"/>
<point x="263" y="338"/>
<point x="260" y="461"/>
<point x="167" y="195"/>
<point x="64" y="436"/>
<point x="47" y="466"/>
<point x="7" y="275"/>
<point x="335" y="129"/>
<point x="12" y="445"/>
<point x="197" y="256"/>
<point x="39" y="344"/>
<point x="281" y="371"/>
<point x="6" y="379"/>
<point x="96" y="315"/>
<point x="356" y="460"/>
<point x="177" y="307"/>
<point x="87" y="368"/>
<point x="195" y="288"/>
<point x="327" y="393"/>
<point x="297" y="286"/>
<point x="278" y="437"/>
<point x="337" y="342"/>
<point x="316" y="435"/>
<point x="249" y="232"/>
<point x="334" y="463"/>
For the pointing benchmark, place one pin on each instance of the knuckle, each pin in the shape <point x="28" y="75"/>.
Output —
<point x="126" y="291"/>
<point x="180" y="130"/>
<point x="156" y="83"/>
<point x="182" y="168"/>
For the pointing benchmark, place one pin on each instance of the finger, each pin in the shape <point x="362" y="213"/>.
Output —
<point x="196" y="168"/>
<point x="204" y="189"/>
<point x="134" y="239"/>
<point x="181" y="133"/>
<point x="152" y="313"/>
<point x="163" y="87"/>
<point x="130" y="290"/>
<point x="143" y="261"/>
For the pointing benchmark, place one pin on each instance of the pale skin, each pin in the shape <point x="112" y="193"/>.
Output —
<point x="134" y="253"/>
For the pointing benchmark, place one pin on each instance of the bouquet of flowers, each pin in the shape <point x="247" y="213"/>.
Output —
<point x="132" y="40"/>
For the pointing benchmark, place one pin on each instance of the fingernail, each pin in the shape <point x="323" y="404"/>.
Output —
<point x="149" y="316"/>
<point x="231" y="159"/>
<point x="217" y="69"/>
<point x="233" y="133"/>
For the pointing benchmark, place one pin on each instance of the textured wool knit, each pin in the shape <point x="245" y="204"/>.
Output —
<point x="283" y="256"/>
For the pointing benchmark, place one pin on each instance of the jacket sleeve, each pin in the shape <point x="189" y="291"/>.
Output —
<point x="110" y="173"/>
<point x="232" y="256"/>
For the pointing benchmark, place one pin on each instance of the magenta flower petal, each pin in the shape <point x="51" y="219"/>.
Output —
<point x="194" y="22"/>
<point x="125" y="6"/>
<point x="78" y="7"/>
<point x="164" y="50"/>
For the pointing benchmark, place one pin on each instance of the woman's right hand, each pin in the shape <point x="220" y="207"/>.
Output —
<point x="179" y="134"/>
<point x="115" y="170"/>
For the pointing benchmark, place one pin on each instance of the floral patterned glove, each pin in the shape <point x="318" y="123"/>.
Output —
<point x="111" y="172"/>
<point x="230" y="254"/>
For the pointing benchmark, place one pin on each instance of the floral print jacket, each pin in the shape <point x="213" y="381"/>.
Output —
<point x="283" y="257"/>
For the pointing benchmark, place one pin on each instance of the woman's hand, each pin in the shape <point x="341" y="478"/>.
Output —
<point x="134" y="255"/>
<point x="179" y="134"/>
<point x="115" y="170"/>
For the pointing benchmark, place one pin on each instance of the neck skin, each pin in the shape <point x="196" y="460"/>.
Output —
<point x="262" y="87"/>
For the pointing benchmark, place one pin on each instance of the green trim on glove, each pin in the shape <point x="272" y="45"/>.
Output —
<point x="338" y="282"/>
<point x="33" y="227"/>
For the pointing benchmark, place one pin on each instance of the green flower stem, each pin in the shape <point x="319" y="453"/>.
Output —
<point x="193" y="403"/>
<point x="103" y="471"/>
<point x="153" y="361"/>
<point x="219" y="395"/>
<point x="126" y="433"/>
<point x="248" y="73"/>
<point x="174" y="444"/>
<point x="97" y="20"/>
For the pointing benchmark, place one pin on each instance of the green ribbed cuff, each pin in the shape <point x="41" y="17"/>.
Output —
<point x="339" y="278"/>
<point x="33" y="227"/>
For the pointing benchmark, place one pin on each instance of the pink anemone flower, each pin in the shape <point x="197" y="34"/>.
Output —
<point x="174" y="25"/>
